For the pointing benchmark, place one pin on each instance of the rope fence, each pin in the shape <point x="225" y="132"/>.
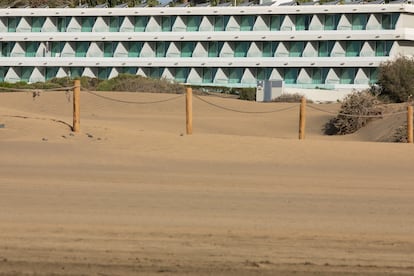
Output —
<point x="76" y="88"/>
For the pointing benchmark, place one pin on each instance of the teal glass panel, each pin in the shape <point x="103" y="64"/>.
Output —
<point x="12" y="23"/>
<point x="62" y="24"/>
<point x="359" y="21"/>
<point x="302" y="22"/>
<point x="383" y="48"/>
<point x="325" y="48"/>
<point x="214" y="48"/>
<point x="389" y="20"/>
<point x="181" y="74"/>
<point x="115" y="23"/>
<point x="167" y="22"/>
<point x="319" y="75"/>
<point x="128" y="70"/>
<point x="193" y="23"/>
<point x="208" y="74"/>
<point x="235" y="75"/>
<point x="37" y="24"/>
<point x="109" y="49"/>
<point x="50" y="72"/>
<point x="353" y="48"/>
<point x="160" y="48"/>
<point x="6" y="48"/>
<point x="81" y="48"/>
<point x="56" y="48"/>
<point x="156" y="72"/>
<point x="269" y="48"/>
<point x="187" y="48"/>
<point x="247" y="22"/>
<point x="291" y="75"/>
<point x="103" y="72"/>
<point x="87" y="24"/>
<point x="373" y="75"/>
<point x="140" y="23"/>
<point x="220" y="22"/>
<point x="331" y="21"/>
<point x="296" y="48"/>
<point x="276" y="22"/>
<point x="347" y="76"/>
<point x="2" y="73"/>
<point x="263" y="73"/>
<point x="241" y="49"/>
<point x="135" y="49"/>
<point x="31" y="48"/>
<point x="76" y="72"/>
<point x="26" y="72"/>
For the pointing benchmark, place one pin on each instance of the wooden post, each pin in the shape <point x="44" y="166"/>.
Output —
<point x="189" y="110"/>
<point x="302" y="118"/>
<point x="410" y="124"/>
<point x="76" y="106"/>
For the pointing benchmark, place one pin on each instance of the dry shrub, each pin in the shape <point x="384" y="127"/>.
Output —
<point x="290" y="98"/>
<point x="356" y="104"/>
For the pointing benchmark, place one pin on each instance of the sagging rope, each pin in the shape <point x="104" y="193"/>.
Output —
<point x="242" y="111"/>
<point x="133" y="102"/>
<point x="37" y="118"/>
<point x="356" y="115"/>
<point x="37" y="90"/>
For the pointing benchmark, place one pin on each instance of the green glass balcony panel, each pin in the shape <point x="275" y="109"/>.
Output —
<point x="6" y="48"/>
<point x="330" y="21"/>
<point x="62" y="24"/>
<point x="220" y="22"/>
<point x="353" y="48"/>
<point x="81" y="48"/>
<point x="389" y="20"/>
<point x="87" y="23"/>
<point x="214" y="48"/>
<point x="373" y="75"/>
<point x="3" y="71"/>
<point x="56" y="48"/>
<point x="51" y="72"/>
<point x="140" y="23"/>
<point x="276" y="22"/>
<point x="76" y="72"/>
<point x="263" y="73"/>
<point x="302" y="22"/>
<point x="104" y="72"/>
<point x="359" y="21"/>
<point x="12" y="23"/>
<point x="37" y="24"/>
<point x="241" y="48"/>
<point x="115" y="23"/>
<point x="187" y="48"/>
<point x="247" y="22"/>
<point x="235" y="75"/>
<point x="291" y="75"/>
<point x="160" y="48"/>
<point x="31" y="48"/>
<point x="193" y="23"/>
<point x="181" y="74"/>
<point x="26" y="72"/>
<point x="156" y="72"/>
<point x="347" y="76"/>
<point x="325" y="47"/>
<point x="128" y="70"/>
<point x="167" y="22"/>
<point x="319" y="75"/>
<point x="135" y="49"/>
<point x="269" y="48"/>
<point x="109" y="48"/>
<point x="296" y="48"/>
<point x="208" y="74"/>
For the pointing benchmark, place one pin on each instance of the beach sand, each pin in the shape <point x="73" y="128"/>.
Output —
<point x="132" y="194"/>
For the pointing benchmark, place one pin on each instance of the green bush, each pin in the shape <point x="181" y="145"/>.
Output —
<point x="395" y="79"/>
<point x="290" y="98"/>
<point x="248" y="94"/>
<point x="357" y="103"/>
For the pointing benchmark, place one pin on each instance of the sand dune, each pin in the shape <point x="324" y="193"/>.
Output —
<point x="132" y="194"/>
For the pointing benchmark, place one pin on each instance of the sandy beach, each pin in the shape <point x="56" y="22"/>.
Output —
<point x="132" y="194"/>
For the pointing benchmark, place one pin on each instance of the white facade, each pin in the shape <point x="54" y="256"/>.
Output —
<point x="309" y="46"/>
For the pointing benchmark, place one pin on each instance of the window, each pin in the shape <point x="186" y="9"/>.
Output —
<point x="87" y="24"/>
<point x="135" y="49"/>
<point x="359" y="21"/>
<point x="241" y="49"/>
<point x="187" y="48"/>
<point x="247" y="22"/>
<point x="276" y="22"/>
<point x="37" y="24"/>
<point x="291" y="75"/>
<point x="140" y="23"/>
<point x="353" y="48"/>
<point x="302" y="22"/>
<point x="269" y="48"/>
<point x="296" y="48"/>
<point x="325" y="48"/>
<point x="330" y="21"/>
<point x="388" y="21"/>
<point x="347" y="76"/>
<point x="383" y="48"/>
<point x="193" y="23"/>
<point x="220" y="22"/>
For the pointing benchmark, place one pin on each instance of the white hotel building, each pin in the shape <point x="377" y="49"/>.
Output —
<point x="307" y="46"/>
